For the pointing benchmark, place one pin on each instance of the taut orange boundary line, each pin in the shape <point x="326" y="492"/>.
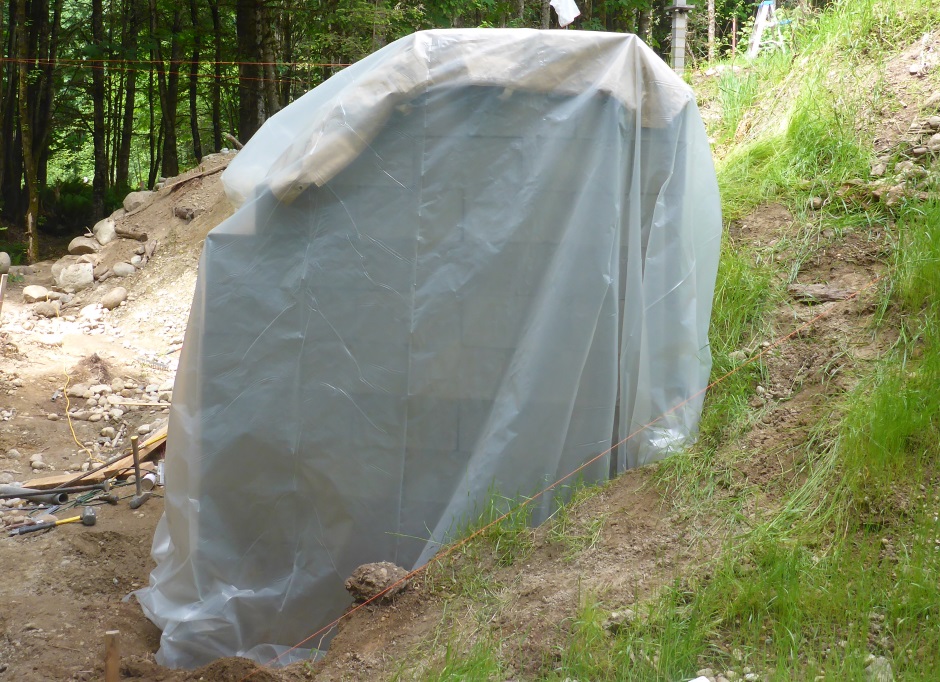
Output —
<point x="452" y="548"/>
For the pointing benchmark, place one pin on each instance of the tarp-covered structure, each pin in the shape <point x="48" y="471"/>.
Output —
<point x="461" y="267"/>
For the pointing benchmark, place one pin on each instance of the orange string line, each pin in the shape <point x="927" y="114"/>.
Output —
<point x="452" y="548"/>
<point x="183" y="62"/>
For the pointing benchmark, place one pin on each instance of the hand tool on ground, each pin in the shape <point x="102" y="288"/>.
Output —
<point x="141" y="496"/>
<point x="86" y="518"/>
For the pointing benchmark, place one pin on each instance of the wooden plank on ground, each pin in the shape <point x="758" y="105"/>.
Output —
<point x="121" y="468"/>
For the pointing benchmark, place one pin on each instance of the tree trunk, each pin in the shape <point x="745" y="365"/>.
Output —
<point x="643" y="25"/>
<point x="26" y="133"/>
<point x="122" y="176"/>
<point x="8" y="103"/>
<point x="42" y="122"/>
<point x="216" y="94"/>
<point x="287" y="56"/>
<point x="193" y="81"/>
<point x="268" y="52"/>
<point x="168" y="86"/>
<point x="546" y="15"/>
<point x="249" y="75"/>
<point x="711" y="30"/>
<point x="100" y="182"/>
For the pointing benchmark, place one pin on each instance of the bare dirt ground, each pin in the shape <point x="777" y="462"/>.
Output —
<point x="60" y="590"/>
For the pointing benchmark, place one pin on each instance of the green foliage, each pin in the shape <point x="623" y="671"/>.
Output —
<point x="480" y="664"/>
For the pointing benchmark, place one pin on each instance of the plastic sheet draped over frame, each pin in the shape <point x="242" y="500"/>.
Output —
<point x="463" y="266"/>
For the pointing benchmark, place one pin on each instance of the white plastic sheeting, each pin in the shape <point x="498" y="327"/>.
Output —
<point x="469" y="263"/>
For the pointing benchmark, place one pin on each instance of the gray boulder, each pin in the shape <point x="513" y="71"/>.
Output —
<point x="123" y="269"/>
<point x="35" y="293"/>
<point x="76" y="277"/>
<point x="135" y="200"/>
<point x="4" y="262"/>
<point x="82" y="245"/>
<point x="104" y="231"/>
<point x="47" y="309"/>
<point x="114" y="298"/>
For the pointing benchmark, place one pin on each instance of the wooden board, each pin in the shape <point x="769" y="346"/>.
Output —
<point x="121" y="468"/>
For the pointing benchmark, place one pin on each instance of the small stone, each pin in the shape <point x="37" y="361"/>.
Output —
<point x="114" y="298"/>
<point x="933" y="122"/>
<point x="6" y="479"/>
<point x="13" y="454"/>
<point x="35" y="293"/>
<point x="104" y="231"/>
<point x="135" y="200"/>
<point x="916" y="69"/>
<point x="705" y="672"/>
<point x="816" y="203"/>
<point x="37" y="465"/>
<point x="166" y="396"/>
<point x="136" y="260"/>
<point x="618" y="620"/>
<point x="83" y="245"/>
<point x="96" y="417"/>
<point x="151" y="388"/>
<point x="879" y="670"/>
<point x="47" y="309"/>
<point x="878" y="170"/>
<point x="108" y="432"/>
<point x="117" y="385"/>
<point x="123" y="269"/>
<point x="933" y="144"/>
<point x="103" y="389"/>
<point x="52" y="416"/>
<point x="35" y="456"/>
<point x="116" y="414"/>
<point x="370" y="580"/>
<point x="5" y="262"/>
<point x="752" y="677"/>
<point x="76" y="391"/>
<point x="919" y="151"/>
<point x="91" y="312"/>
<point x="144" y="429"/>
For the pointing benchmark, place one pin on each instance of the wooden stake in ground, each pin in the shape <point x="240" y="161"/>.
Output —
<point x="112" y="656"/>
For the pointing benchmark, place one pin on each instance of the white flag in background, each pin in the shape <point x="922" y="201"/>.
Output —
<point x="566" y="10"/>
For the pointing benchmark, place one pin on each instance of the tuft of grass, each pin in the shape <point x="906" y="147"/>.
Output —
<point x="575" y="534"/>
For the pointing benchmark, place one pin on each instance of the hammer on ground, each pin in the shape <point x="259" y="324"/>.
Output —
<point x="88" y="518"/>
<point x="141" y="496"/>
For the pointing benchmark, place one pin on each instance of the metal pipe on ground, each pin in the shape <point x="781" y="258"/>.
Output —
<point x="9" y="492"/>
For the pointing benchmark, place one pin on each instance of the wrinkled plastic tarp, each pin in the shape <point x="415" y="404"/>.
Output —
<point x="467" y="264"/>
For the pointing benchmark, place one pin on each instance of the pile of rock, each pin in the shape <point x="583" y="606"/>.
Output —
<point x="83" y="266"/>
<point x="907" y="177"/>
<point x="104" y="402"/>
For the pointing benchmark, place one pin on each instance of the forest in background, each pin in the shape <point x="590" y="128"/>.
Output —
<point x="99" y="97"/>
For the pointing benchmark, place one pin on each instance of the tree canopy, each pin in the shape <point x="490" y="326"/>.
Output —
<point x="103" y="96"/>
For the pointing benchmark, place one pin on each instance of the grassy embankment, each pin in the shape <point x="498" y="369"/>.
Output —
<point x="846" y="562"/>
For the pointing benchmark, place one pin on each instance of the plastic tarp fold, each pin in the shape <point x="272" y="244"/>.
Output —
<point x="464" y="266"/>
